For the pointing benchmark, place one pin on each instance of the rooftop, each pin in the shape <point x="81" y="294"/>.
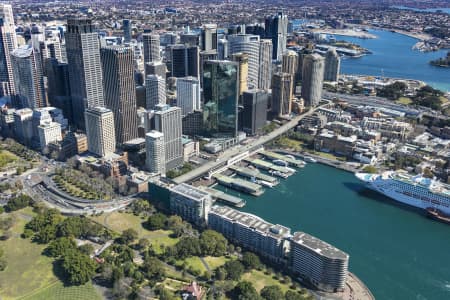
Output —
<point x="190" y="192"/>
<point x="318" y="246"/>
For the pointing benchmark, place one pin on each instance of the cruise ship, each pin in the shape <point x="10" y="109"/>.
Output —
<point x="418" y="191"/>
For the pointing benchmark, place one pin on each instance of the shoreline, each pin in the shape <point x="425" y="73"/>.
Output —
<point x="346" y="32"/>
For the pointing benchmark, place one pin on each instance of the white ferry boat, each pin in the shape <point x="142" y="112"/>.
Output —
<point x="417" y="191"/>
<point x="309" y="159"/>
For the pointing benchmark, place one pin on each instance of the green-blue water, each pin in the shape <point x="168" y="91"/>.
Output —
<point x="393" y="57"/>
<point x="395" y="250"/>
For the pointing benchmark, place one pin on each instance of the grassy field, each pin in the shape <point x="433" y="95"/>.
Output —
<point x="404" y="100"/>
<point x="260" y="280"/>
<point x="27" y="269"/>
<point x="58" y="291"/>
<point x="215" y="262"/>
<point x="193" y="263"/>
<point x="6" y="158"/>
<point x="120" y="221"/>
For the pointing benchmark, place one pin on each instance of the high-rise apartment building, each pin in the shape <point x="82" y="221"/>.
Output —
<point x="265" y="64"/>
<point x="151" y="47"/>
<point x="28" y="79"/>
<point x="208" y="40"/>
<point x="119" y="90"/>
<point x="312" y="79"/>
<point x="168" y="122"/>
<point x="155" y="161"/>
<point x="190" y="203"/>
<point x="289" y="62"/>
<point x="100" y="131"/>
<point x="332" y="65"/>
<point x="242" y="60"/>
<point x="249" y="44"/>
<point x="188" y="94"/>
<point x="282" y="85"/>
<point x="220" y="95"/>
<point x="276" y="29"/>
<point x="155" y="91"/>
<point x="8" y="43"/>
<point x="184" y="61"/>
<point x="85" y="68"/>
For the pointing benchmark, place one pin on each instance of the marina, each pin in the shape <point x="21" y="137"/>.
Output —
<point x="239" y="184"/>
<point x="249" y="173"/>
<point x="292" y="161"/>
<point x="268" y="166"/>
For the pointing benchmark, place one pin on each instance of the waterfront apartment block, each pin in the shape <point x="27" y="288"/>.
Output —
<point x="250" y="231"/>
<point x="190" y="203"/>
<point x="321" y="264"/>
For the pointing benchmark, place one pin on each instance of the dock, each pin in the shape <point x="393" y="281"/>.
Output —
<point x="239" y="184"/>
<point x="249" y="173"/>
<point x="225" y="198"/>
<point x="292" y="161"/>
<point x="265" y="165"/>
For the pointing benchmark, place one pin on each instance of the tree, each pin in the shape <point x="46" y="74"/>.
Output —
<point x="60" y="247"/>
<point x="220" y="273"/>
<point x="128" y="236"/>
<point x="78" y="267"/>
<point x="18" y="202"/>
<point x="234" y="269"/>
<point x="250" y="261"/>
<point x="244" y="290"/>
<point x="143" y="244"/>
<point x="87" y="249"/>
<point x="293" y="295"/>
<point x="156" y="221"/>
<point x="187" y="246"/>
<point x="213" y="243"/>
<point x="272" y="292"/>
<point x="153" y="269"/>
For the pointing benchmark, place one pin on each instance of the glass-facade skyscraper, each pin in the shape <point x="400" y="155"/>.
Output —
<point x="221" y="93"/>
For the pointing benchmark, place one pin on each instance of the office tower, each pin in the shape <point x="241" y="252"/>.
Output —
<point x="155" y="91"/>
<point x="85" y="68"/>
<point x="193" y="123"/>
<point x="332" y="65"/>
<point x="23" y="125"/>
<point x="249" y="44"/>
<point x="40" y="116"/>
<point x="54" y="49"/>
<point x="126" y="26"/>
<point x="100" y="131"/>
<point x="282" y="84"/>
<point x="168" y="122"/>
<point x="208" y="39"/>
<point x="190" y="203"/>
<point x="151" y="47"/>
<point x="49" y="132"/>
<point x="156" y="68"/>
<point x="188" y="94"/>
<point x="119" y="90"/>
<point x="254" y="114"/>
<point x="312" y="79"/>
<point x="184" y="61"/>
<point x="242" y="60"/>
<point x="58" y="90"/>
<point x="190" y="38"/>
<point x="265" y="64"/>
<point x="220" y="97"/>
<point x="155" y="161"/>
<point x="276" y="29"/>
<point x="168" y="38"/>
<point x="204" y="56"/>
<point x="289" y="62"/>
<point x="8" y="43"/>
<point x="302" y="53"/>
<point x="256" y="29"/>
<point x="222" y="49"/>
<point x="28" y="79"/>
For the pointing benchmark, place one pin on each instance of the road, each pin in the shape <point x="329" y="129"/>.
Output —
<point x="226" y="155"/>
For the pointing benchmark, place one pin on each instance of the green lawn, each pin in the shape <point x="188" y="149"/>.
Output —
<point x="260" y="280"/>
<point x="27" y="270"/>
<point x="215" y="262"/>
<point x="193" y="263"/>
<point x="6" y="157"/>
<point x="58" y="291"/>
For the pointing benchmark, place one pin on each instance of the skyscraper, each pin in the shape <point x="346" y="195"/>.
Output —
<point x="168" y="122"/>
<point x="265" y="64"/>
<point x="276" y="29"/>
<point x="151" y="47"/>
<point x="332" y="65"/>
<point x="126" y="26"/>
<point x="156" y="68"/>
<point x="100" y="131"/>
<point x="85" y="68"/>
<point x="49" y="132"/>
<point x="282" y="84"/>
<point x="155" y="87"/>
<point x="249" y="44"/>
<point x="8" y="43"/>
<point x="222" y="49"/>
<point x="312" y="79"/>
<point x="289" y="62"/>
<point x="209" y="37"/>
<point x="242" y="60"/>
<point x="58" y="89"/>
<point x="155" y="161"/>
<point x="28" y="78"/>
<point x="184" y="61"/>
<point x="188" y="94"/>
<point x="119" y="89"/>
<point x="254" y="115"/>
<point x="204" y="56"/>
<point x="220" y="93"/>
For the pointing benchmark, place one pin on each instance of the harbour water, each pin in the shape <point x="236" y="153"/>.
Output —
<point x="395" y="250"/>
<point x="392" y="56"/>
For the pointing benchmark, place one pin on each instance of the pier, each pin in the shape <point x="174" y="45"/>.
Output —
<point x="287" y="158"/>
<point x="249" y="173"/>
<point x="239" y="184"/>
<point x="225" y="198"/>
<point x="265" y="165"/>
